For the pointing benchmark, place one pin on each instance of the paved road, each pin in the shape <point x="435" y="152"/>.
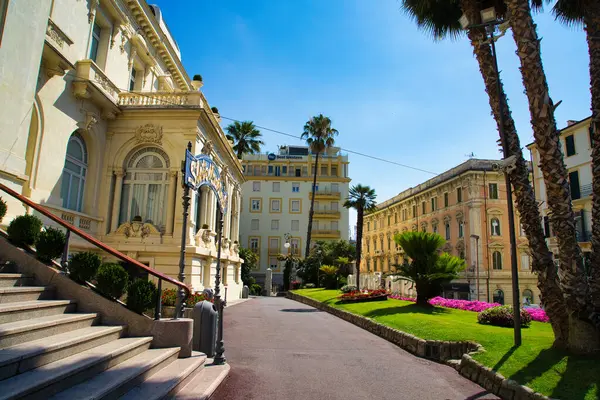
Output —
<point x="281" y="349"/>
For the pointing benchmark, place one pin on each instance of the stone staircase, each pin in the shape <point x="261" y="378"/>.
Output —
<point x="48" y="350"/>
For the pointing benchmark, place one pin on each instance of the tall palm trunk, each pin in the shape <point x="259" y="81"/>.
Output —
<point x="582" y="335"/>
<point x="359" y="234"/>
<point x="592" y="23"/>
<point x="312" y="209"/>
<point x="543" y="265"/>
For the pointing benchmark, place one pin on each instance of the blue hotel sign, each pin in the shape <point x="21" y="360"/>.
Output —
<point x="201" y="170"/>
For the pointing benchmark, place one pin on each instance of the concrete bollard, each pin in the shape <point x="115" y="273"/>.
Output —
<point x="245" y="292"/>
<point x="268" y="283"/>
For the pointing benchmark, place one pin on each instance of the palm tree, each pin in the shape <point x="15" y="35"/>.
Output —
<point x="319" y="136"/>
<point x="587" y="13"/>
<point x="427" y="268"/>
<point x="245" y="136"/>
<point x="541" y="108"/>
<point x="440" y="19"/>
<point x="362" y="199"/>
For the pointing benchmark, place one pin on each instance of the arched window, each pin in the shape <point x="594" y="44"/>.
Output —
<point x="447" y="231"/>
<point x="499" y="296"/>
<point x="145" y="187"/>
<point x="495" y="225"/>
<point x="73" y="176"/>
<point x="461" y="229"/>
<point x="497" y="260"/>
<point x="461" y="254"/>
<point x="527" y="296"/>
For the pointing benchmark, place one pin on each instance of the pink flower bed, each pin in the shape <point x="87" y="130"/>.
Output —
<point x="537" y="314"/>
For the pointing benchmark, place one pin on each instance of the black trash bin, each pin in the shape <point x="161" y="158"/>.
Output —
<point x="205" y="328"/>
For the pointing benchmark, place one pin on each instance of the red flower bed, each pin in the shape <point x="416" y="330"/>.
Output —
<point x="364" y="295"/>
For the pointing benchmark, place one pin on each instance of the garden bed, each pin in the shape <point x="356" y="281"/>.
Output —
<point x="363" y="296"/>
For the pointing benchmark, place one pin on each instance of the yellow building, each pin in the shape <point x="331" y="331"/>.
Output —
<point x="97" y="113"/>
<point x="276" y="202"/>
<point x="467" y="206"/>
<point x="576" y="143"/>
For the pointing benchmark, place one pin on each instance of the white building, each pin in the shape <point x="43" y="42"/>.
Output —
<point x="276" y="202"/>
<point x="97" y="111"/>
<point x="576" y="145"/>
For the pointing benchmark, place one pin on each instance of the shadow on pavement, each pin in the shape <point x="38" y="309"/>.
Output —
<point x="408" y="309"/>
<point x="300" y="310"/>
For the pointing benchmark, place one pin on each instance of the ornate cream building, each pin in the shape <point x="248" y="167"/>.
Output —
<point x="97" y="112"/>
<point x="467" y="206"/>
<point x="276" y="203"/>
<point x="576" y="142"/>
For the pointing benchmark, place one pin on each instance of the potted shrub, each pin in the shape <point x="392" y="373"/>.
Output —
<point x="204" y="226"/>
<point x="3" y="208"/>
<point x="112" y="280"/>
<point x="50" y="244"/>
<point x="24" y="230"/>
<point x="215" y="110"/>
<point x="197" y="82"/>
<point x="83" y="266"/>
<point x="141" y="295"/>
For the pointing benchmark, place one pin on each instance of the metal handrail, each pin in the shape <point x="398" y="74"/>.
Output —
<point x="88" y="238"/>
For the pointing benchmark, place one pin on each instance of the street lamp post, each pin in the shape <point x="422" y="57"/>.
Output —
<point x="286" y="276"/>
<point x="476" y="264"/>
<point x="489" y="22"/>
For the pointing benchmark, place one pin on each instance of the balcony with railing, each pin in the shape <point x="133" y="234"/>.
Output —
<point x="326" y="194"/>
<point x="326" y="233"/>
<point x="327" y="214"/>
<point x="189" y="99"/>
<point x="586" y="190"/>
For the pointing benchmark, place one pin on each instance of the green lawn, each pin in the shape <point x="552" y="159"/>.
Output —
<point x="534" y="363"/>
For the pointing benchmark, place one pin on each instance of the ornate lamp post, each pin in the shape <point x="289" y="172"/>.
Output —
<point x="489" y="21"/>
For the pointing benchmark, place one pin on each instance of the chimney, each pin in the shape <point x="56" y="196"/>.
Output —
<point x="571" y="122"/>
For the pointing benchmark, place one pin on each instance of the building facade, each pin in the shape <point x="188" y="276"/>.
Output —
<point x="576" y="144"/>
<point x="98" y="111"/>
<point x="276" y="202"/>
<point x="467" y="206"/>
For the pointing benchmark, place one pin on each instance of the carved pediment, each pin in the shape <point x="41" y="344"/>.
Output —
<point x="460" y="246"/>
<point x="149" y="134"/>
<point x="137" y="229"/>
<point x="447" y="219"/>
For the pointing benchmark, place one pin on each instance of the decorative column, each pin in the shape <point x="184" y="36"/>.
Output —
<point x="204" y="198"/>
<point x="119" y="173"/>
<point x="171" y="200"/>
<point x="228" y="216"/>
<point x="212" y="216"/>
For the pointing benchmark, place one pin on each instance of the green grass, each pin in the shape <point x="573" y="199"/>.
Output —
<point x="534" y="363"/>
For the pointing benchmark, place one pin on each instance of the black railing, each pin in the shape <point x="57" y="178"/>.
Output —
<point x="88" y="238"/>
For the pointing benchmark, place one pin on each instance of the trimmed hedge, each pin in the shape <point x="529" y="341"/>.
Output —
<point x="502" y="316"/>
<point x="141" y="295"/>
<point x="50" y="244"/>
<point x="24" y="230"/>
<point x="84" y="266"/>
<point x="112" y="280"/>
<point x="3" y="208"/>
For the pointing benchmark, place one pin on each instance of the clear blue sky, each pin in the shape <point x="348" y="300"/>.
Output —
<point x="390" y="90"/>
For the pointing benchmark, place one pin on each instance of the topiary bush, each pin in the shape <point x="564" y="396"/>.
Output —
<point x="197" y="77"/>
<point x="141" y="295"/>
<point x="348" y="288"/>
<point x="502" y="316"/>
<point x="50" y="244"/>
<point x="112" y="280"/>
<point x="24" y="230"/>
<point x="3" y="208"/>
<point x="84" y="266"/>
<point x="214" y="110"/>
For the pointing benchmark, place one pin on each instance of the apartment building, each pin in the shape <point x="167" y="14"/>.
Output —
<point x="97" y="111"/>
<point x="276" y="201"/>
<point x="467" y="206"/>
<point x="576" y="144"/>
